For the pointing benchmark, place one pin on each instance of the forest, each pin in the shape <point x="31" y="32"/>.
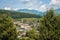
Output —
<point x="17" y="15"/>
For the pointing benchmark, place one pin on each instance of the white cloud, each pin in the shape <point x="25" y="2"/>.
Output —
<point x="29" y="4"/>
<point x="16" y="9"/>
<point x="55" y="3"/>
<point x="30" y="8"/>
<point x="24" y="0"/>
<point x="33" y="4"/>
<point x="7" y="8"/>
<point x="43" y="8"/>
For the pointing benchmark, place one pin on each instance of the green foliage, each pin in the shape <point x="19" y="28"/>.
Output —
<point x="33" y="34"/>
<point x="26" y="38"/>
<point x="18" y="15"/>
<point x="49" y="26"/>
<point x="7" y="29"/>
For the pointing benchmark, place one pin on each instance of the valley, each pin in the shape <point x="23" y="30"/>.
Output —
<point x="24" y="25"/>
<point x="29" y="19"/>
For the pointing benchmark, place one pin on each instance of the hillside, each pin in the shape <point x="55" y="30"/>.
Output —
<point x="18" y="15"/>
<point x="57" y="11"/>
<point x="31" y="11"/>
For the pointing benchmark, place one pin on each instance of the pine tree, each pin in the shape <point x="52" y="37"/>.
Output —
<point x="7" y="29"/>
<point x="49" y="26"/>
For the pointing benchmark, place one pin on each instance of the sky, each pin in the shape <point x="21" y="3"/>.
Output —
<point x="40" y="5"/>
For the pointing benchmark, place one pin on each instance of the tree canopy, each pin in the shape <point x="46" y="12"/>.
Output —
<point x="7" y="29"/>
<point x="49" y="26"/>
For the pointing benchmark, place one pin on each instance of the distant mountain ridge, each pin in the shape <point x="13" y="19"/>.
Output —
<point x="18" y="15"/>
<point x="57" y="11"/>
<point x="31" y="11"/>
<point x="25" y="13"/>
<point x="37" y="12"/>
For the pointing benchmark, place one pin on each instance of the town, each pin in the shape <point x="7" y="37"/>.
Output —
<point x="24" y="25"/>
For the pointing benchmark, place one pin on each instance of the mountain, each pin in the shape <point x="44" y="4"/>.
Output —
<point x="31" y="11"/>
<point x="25" y="13"/>
<point x="37" y="12"/>
<point x="18" y="15"/>
<point x="57" y="11"/>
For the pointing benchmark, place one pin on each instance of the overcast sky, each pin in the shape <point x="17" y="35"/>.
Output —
<point x="40" y="5"/>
